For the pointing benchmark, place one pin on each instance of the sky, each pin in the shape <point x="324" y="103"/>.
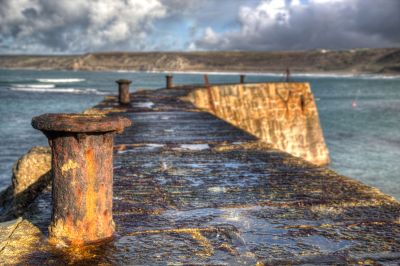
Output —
<point x="81" y="26"/>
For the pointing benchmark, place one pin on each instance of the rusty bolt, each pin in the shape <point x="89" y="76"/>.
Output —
<point x="170" y="83"/>
<point x="123" y="88"/>
<point x="82" y="154"/>
<point x="242" y="78"/>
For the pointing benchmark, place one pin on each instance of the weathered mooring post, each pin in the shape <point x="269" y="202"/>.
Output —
<point x="82" y="165"/>
<point x="287" y="75"/>
<point x="206" y="82"/>
<point x="123" y="88"/>
<point x="169" y="80"/>
<point x="242" y="77"/>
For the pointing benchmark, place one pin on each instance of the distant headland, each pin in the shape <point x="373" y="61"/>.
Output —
<point x="355" y="61"/>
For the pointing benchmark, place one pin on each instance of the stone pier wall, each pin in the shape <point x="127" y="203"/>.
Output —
<point x="282" y="114"/>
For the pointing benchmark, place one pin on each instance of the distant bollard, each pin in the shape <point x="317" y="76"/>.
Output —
<point x="82" y="165"/>
<point x="206" y="81"/>
<point x="288" y="78"/>
<point x="169" y="81"/>
<point x="242" y="77"/>
<point x="123" y="88"/>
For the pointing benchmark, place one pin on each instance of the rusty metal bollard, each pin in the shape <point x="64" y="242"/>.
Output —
<point x="288" y="75"/>
<point x="123" y="88"/>
<point x="206" y="82"/>
<point x="169" y="79"/>
<point x="82" y="165"/>
<point x="242" y="79"/>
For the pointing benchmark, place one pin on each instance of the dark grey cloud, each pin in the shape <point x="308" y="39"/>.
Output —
<point x="65" y="26"/>
<point x="334" y="24"/>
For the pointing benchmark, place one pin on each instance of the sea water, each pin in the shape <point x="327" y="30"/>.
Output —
<point x="360" y="115"/>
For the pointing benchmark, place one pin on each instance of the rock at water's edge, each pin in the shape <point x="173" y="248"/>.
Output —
<point x="31" y="174"/>
<point x="30" y="167"/>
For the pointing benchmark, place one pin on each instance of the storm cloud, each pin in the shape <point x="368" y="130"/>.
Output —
<point x="296" y="25"/>
<point x="64" y="26"/>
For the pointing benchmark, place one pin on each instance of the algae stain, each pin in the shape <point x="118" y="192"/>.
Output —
<point x="70" y="165"/>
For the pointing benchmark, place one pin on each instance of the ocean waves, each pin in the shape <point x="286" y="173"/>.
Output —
<point x="281" y="75"/>
<point x="51" y="88"/>
<point x="346" y="76"/>
<point x="67" y="80"/>
<point x="34" y="86"/>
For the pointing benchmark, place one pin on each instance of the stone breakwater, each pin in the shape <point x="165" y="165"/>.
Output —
<point x="190" y="188"/>
<point x="282" y="114"/>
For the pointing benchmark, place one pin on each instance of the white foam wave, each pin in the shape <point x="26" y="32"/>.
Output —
<point x="34" y="86"/>
<point x="275" y="74"/>
<point x="344" y="75"/>
<point x="59" y="90"/>
<point x="60" y="80"/>
<point x="306" y="75"/>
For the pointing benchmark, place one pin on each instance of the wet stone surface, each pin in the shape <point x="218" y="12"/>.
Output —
<point x="161" y="127"/>
<point x="192" y="189"/>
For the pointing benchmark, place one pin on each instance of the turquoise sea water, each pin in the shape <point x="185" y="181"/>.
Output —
<point x="360" y="116"/>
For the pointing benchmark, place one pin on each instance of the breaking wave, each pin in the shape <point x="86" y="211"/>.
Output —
<point x="355" y="76"/>
<point x="34" y="86"/>
<point x="60" y="80"/>
<point x="57" y="90"/>
<point x="282" y="74"/>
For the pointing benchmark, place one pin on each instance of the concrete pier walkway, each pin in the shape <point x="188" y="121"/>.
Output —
<point x="190" y="188"/>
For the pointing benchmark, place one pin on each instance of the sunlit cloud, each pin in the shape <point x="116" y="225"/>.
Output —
<point x="46" y="26"/>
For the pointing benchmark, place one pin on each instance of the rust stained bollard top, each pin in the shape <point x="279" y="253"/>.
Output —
<point x="123" y="81"/>
<point x="80" y="123"/>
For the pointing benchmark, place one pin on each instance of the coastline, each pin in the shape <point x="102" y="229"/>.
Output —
<point x="383" y="61"/>
<point x="321" y="74"/>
